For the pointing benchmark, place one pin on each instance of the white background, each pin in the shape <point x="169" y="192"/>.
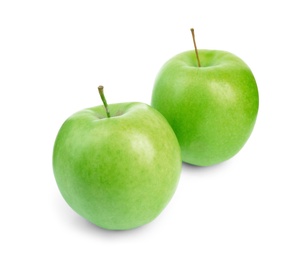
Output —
<point x="54" y="54"/>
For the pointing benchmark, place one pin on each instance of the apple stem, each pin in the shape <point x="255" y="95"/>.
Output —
<point x="101" y="91"/>
<point x="195" y="46"/>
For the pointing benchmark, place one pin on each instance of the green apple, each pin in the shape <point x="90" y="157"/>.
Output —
<point x="210" y="98"/>
<point x="118" y="166"/>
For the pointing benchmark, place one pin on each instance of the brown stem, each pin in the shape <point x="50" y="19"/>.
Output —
<point x="194" y="41"/>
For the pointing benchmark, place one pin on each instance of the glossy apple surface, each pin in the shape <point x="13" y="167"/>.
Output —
<point x="118" y="172"/>
<point x="211" y="108"/>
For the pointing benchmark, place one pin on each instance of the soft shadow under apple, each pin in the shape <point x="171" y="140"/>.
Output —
<point x="71" y="218"/>
<point x="203" y="170"/>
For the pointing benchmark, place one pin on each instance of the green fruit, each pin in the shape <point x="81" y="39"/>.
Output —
<point x="118" y="172"/>
<point x="211" y="108"/>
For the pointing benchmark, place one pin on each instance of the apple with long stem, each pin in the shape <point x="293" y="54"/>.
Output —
<point x="117" y="166"/>
<point x="210" y="98"/>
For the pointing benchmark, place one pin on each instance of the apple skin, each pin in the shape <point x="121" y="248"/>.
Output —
<point x="211" y="108"/>
<point x="119" y="172"/>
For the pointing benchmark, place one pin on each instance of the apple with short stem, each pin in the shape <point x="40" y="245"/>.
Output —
<point x="210" y="98"/>
<point x="118" y="166"/>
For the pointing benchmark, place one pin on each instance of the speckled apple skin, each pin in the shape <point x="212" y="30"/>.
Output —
<point x="212" y="108"/>
<point x="120" y="172"/>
